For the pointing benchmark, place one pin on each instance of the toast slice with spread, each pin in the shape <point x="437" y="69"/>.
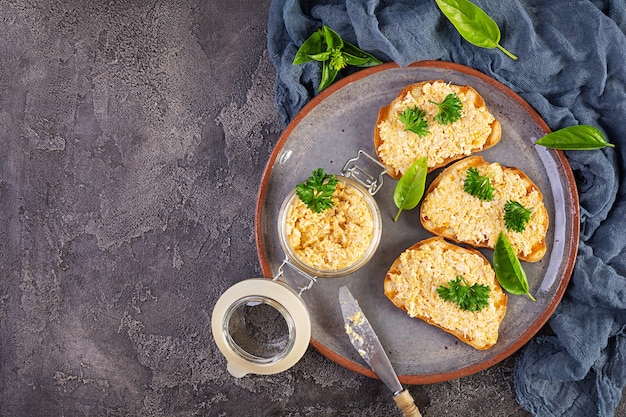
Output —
<point x="397" y="148"/>
<point x="414" y="277"/>
<point x="448" y="210"/>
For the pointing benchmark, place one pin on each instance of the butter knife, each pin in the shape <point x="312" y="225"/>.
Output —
<point x="368" y="346"/>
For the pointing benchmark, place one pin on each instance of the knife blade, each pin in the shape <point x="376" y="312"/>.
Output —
<point x="367" y="344"/>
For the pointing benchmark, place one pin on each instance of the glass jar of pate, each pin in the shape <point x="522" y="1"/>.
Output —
<point x="337" y="241"/>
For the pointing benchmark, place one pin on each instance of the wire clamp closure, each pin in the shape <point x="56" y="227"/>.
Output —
<point x="281" y="273"/>
<point x="362" y="175"/>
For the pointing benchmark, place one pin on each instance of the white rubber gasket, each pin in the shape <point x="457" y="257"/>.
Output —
<point x="293" y="310"/>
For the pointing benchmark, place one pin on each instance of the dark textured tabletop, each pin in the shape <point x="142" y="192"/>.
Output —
<point x="134" y="137"/>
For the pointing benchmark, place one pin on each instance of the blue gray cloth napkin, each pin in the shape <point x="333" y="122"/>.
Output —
<point x="571" y="69"/>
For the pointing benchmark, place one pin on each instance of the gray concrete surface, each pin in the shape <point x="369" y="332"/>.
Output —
<point x="134" y="134"/>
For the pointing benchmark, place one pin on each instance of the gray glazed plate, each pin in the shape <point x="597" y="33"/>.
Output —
<point x="331" y="129"/>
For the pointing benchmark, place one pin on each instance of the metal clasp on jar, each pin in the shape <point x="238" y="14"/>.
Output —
<point x="281" y="273"/>
<point x="361" y="172"/>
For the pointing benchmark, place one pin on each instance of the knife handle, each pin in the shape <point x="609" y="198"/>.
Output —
<point x="405" y="402"/>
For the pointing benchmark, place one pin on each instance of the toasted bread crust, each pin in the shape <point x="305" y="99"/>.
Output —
<point x="385" y="114"/>
<point x="537" y="227"/>
<point x="417" y="289"/>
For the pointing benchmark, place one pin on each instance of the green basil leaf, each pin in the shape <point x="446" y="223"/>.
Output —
<point x="368" y="60"/>
<point x="332" y="38"/>
<point x="573" y="138"/>
<point x="355" y="60"/>
<point x="410" y="188"/>
<point x="509" y="271"/>
<point x="329" y="73"/>
<point x="322" y="56"/>
<point x="473" y="24"/>
<point x="312" y="46"/>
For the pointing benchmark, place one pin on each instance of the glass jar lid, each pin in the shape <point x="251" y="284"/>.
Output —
<point x="261" y="326"/>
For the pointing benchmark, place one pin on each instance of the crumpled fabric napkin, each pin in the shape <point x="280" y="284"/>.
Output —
<point x="571" y="70"/>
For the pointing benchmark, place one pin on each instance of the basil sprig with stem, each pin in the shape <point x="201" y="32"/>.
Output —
<point x="326" y="46"/>
<point x="410" y="188"/>
<point x="473" y="24"/>
<point x="574" y="138"/>
<point x="509" y="271"/>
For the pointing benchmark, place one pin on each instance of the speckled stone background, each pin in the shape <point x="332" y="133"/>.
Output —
<point x="133" y="135"/>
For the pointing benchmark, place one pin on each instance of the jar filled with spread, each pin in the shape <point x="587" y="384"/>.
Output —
<point x="328" y="226"/>
<point x="335" y="240"/>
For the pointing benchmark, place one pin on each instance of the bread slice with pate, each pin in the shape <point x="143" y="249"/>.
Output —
<point x="397" y="148"/>
<point x="448" y="210"/>
<point x="412" y="281"/>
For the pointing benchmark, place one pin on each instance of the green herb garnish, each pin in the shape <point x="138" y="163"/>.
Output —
<point x="410" y="188"/>
<point x="414" y="119"/>
<point x="478" y="185"/>
<point x="473" y="24"/>
<point x="449" y="109"/>
<point x="516" y="216"/>
<point x="573" y="138"/>
<point x="509" y="271"/>
<point x="317" y="191"/>
<point x="326" y="46"/>
<point x="471" y="298"/>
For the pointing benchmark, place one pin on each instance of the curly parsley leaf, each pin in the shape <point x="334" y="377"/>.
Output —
<point x="516" y="216"/>
<point x="449" y="109"/>
<point x="317" y="191"/>
<point x="414" y="120"/>
<point x="478" y="185"/>
<point x="471" y="298"/>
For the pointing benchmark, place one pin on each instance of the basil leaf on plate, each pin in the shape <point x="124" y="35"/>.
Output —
<point x="574" y="138"/>
<point x="509" y="271"/>
<point x="410" y="188"/>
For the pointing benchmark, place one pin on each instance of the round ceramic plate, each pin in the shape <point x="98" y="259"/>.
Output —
<point x="331" y="129"/>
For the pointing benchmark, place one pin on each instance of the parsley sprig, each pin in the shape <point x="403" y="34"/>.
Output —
<point x="449" y="109"/>
<point x="516" y="216"/>
<point x="478" y="185"/>
<point x="470" y="298"/>
<point x="414" y="119"/>
<point x="317" y="191"/>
